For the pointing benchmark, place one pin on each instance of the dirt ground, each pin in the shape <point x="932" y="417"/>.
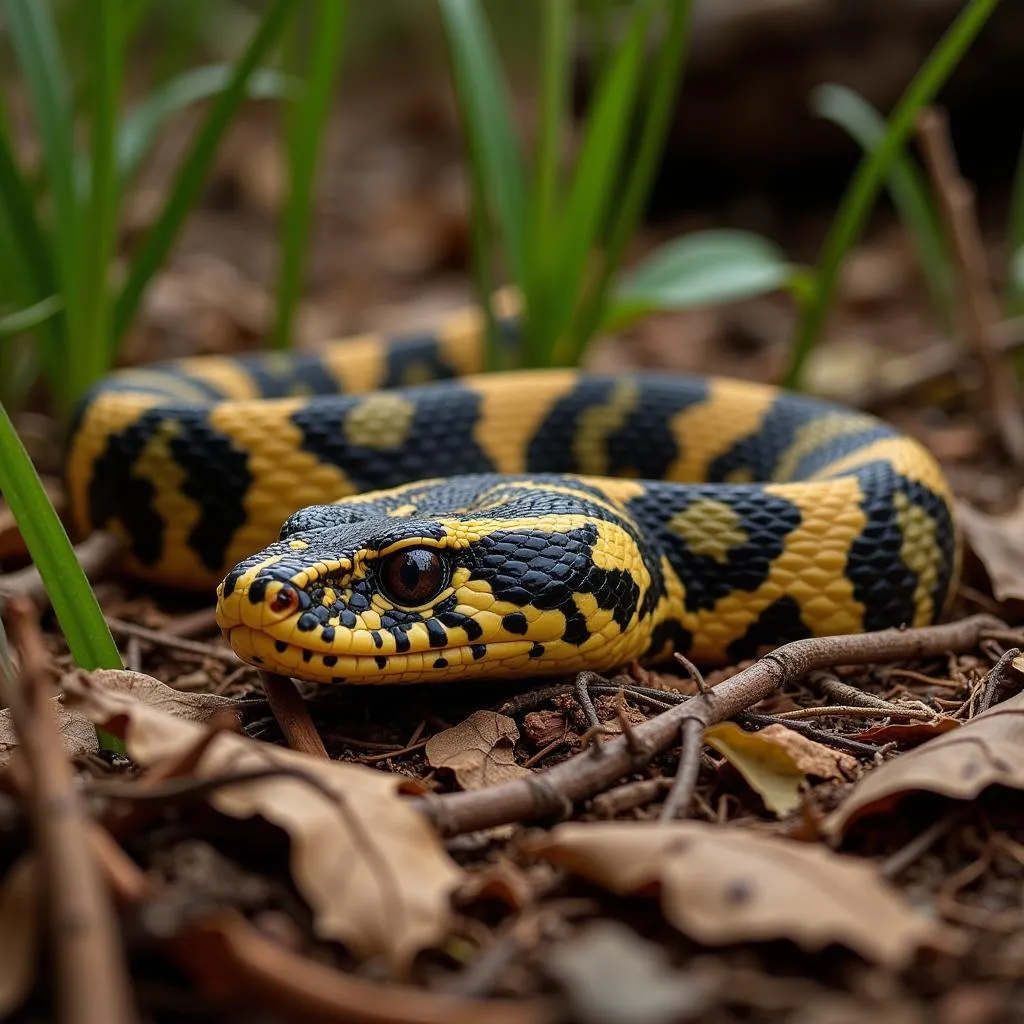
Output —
<point x="550" y="924"/>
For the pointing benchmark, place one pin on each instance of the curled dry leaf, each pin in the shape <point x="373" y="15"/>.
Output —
<point x="613" y="976"/>
<point x="910" y="734"/>
<point x="76" y="732"/>
<point x="998" y="541"/>
<point x="723" y="885"/>
<point x="986" y="751"/>
<point x="776" y="761"/>
<point x="478" y="750"/>
<point x="20" y="917"/>
<point x="373" y="871"/>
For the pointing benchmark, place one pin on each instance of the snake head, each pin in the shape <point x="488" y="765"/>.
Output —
<point x="402" y="600"/>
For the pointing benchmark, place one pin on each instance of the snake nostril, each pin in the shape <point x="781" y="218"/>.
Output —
<point x="285" y="600"/>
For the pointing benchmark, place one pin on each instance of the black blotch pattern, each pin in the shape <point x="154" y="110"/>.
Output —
<point x="436" y="633"/>
<point x="440" y="663"/>
<point x="644" y="446"/>
<point x="516" y="566"/>
<point x="779" y="623"/>
<point x="280" y="646"/>
<point x="882" y="582"/>
<point x="536" y="650"/>
<point x="415" y="358"/>
<point x="439" y="441"/>
<point x="670" y="632"/>
<point x="478" y="651"/>
<point x="298" y="374"/>
<point x="765" y="519"/>
<point x="380" y="660"/>
<point x="330" y="660"/>
<point x="515" y="623"/>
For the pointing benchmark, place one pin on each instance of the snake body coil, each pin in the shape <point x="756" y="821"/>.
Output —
<point x="535" y="522"/>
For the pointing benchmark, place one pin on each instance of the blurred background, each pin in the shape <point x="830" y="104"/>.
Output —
<point x="262" y="173"/>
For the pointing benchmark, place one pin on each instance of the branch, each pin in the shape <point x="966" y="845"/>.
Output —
<point x="553" y="792"/>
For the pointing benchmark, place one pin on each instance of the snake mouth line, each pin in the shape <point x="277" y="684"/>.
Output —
<point x="439" y="664"/>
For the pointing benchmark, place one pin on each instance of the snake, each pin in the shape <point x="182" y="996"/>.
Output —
<point x="383" y="510"/>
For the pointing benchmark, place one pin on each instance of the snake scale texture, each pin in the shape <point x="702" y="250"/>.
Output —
<point x="441" y="523"/>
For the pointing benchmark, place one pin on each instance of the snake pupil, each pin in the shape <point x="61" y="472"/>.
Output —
<point x="413" y="576"/>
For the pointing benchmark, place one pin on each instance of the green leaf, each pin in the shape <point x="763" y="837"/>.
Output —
<point x="34" y="37"/>
<point x="907" y="186"/>
<point x="32" y="316"/>
<point x="72" y="598"/>
<point x="192" y="173"/>
<point x="590" y="195"/>
<point x="700" y="269"/>
<point x="489" y="128"/>
<point x="658" y="106"/>
<point x="863" y="189"/>
<point x="139" y="127"/>
<point x="308" y="120"/>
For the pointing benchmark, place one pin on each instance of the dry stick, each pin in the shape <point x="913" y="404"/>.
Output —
<point x="162" y="638"/>
<point x="93" y="983"/>
<point x="832" y="686"/>
<point x="839" y="711"/>
<point x="980" y="310"/>
<point x="677" y="804"/>
<point x="96" y="554"/>
<point x="553" y="792"/>
<point x="292" y="714"/>
<point x="997" y="679"/>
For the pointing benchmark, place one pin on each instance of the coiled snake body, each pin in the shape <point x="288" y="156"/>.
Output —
<point x="508" y="524"/>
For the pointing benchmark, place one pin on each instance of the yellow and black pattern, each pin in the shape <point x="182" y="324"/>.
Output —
<point x="456" y="524"/>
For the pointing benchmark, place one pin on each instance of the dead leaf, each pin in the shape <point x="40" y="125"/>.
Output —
<point x="724" y="885"/>
<point x="768" y="767"/>
<point x="810" y="757"/>
<point x="76" y="731"/>
<point x="373" y="871"/>
<point x="998" y="541"/>
<point x="479" y="750"/>
<point x="908" y="734"/>
<point x="613" y="976"/>
<point x="986" y="751"/>
<point x="20" y="911"/>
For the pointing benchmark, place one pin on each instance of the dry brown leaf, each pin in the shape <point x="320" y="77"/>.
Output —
<point x="479" y="750"/>
<point x="998" y="541"/>
<point x="810" y="757"/>
<point x="986" y="751"/>
<point x="723" y="885"/>
<point x="373" y="871"/>
<point x="20" y="913"/>
<point x="77" y="732"/>
<point x="908" y="734"/>
<point x="768" y="767"/>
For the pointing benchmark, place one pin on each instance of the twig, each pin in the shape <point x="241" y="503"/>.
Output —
<point x="628" y="796"/>
<point x="980" y="311"/>
<point x="832" y="686"/>
<point x="93" y="982"/>
<point x="996" y="679"/>
<point x="96" y="554"/>
<point x="692" y="671"/>
<point x="548" y="793"/>
<point x="896" y="863"/>
<point x="292" y="715"/>
<point x="838" y="711"/>
<point x="677" y="803"/>
<point x="164" y="638"/>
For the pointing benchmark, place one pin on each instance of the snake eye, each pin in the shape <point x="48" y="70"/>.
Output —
<point x="413" y="576"/>
<point x="285" y="600"/>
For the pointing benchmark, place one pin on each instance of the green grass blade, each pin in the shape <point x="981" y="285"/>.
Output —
<point x="661" y="102"/>
<point x="192" y="173"/>
<point x="590" y="195"/>
<point x="860" y="195"/>
<point x="34" y="37"/>
<point x="1015" y="240"/>
<point x="553" y="108"/>
<point x="488" y="126"/>
<point x="700" y="269"/>
<point x="32" y="316"/>
<point x="308" y="119"/>
<point x="140" y="125"/>
<point x="77" y="609"/>
<point x="907" y="186"/>
<point x="89" y="350"/>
